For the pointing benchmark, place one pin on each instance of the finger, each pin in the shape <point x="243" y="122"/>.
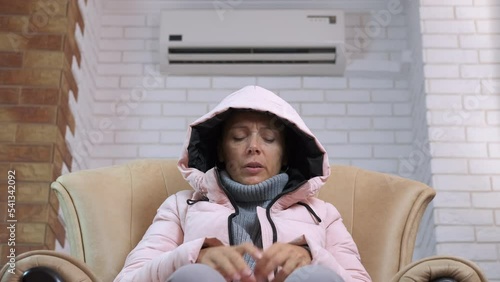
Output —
<point x="280" y="277"/>
<point x="215" y="265"/>
<point x="269" y="262"/>
<point x="249" y="278"/>
<point x="225" y="267"/>
<point x="245" y="271"/>
<point x="239" y="263"/>
<point x="229" y="263"/>
<point x="288" y="267"/>
<point x="279" y="255"/>
<point x="250" y="249"/>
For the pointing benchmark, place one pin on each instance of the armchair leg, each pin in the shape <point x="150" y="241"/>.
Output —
<point x="41" y="274"/>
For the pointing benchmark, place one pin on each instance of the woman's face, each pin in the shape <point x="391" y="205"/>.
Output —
<point x="252" y="147"/>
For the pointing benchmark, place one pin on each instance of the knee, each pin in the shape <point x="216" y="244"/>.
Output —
<point x="195" y="272"/>
<point x="316" y="273"/>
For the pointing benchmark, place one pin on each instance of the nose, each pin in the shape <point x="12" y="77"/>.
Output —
<point x="253" y="150"/>
<point x="253" y="146"/>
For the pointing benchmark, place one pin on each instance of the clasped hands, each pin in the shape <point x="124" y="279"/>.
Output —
<point x="228" y="261"/>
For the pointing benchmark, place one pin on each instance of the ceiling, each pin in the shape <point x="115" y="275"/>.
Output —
<point x="156" y="5"/>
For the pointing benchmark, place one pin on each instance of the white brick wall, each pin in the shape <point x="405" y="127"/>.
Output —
<point x="461" y="48"/>
<point x="475" y="252"/>
<point x="430" y="12"/>
<point x="416" y="164"/>
<point x="453" y="199"/>
<point x="453" y="27"/>
<point x="86" y="78"/>
<point x="455" y="234"/>
<point x="463" y="217"/>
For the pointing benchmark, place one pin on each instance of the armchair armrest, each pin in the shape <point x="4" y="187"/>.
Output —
<point x="446" y="268"/>
<point x="57" y="265"/>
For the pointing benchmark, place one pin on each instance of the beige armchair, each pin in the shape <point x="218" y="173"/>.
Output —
<point x="107" y="211"/>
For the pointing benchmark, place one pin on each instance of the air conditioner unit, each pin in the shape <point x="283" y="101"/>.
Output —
<point x="252" y="42"/>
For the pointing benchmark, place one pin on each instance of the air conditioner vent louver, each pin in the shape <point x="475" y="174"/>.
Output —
<point x="252" y="42"/>
<point x="251" y="55"/>
<point x="251" y="62"/>
<point x="195" y="50"/>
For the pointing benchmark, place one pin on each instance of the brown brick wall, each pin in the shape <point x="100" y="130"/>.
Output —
<point x="37" y="47"/>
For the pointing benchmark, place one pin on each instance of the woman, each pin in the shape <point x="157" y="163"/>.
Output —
<point x="255" y="168"/>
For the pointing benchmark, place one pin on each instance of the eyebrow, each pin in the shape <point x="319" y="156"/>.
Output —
<point x="244" y="127"/>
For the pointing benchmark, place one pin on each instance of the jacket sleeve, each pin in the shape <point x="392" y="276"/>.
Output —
<point x="161" y="250"/>
<point x="340" y="252"/>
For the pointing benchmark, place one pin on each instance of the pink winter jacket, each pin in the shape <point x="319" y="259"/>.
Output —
<point x="186" y="219"/>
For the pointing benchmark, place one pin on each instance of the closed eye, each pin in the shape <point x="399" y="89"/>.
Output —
<point x="268" y="135"/>
<point x="269" y="140"/>
<point x="238" y="137"/>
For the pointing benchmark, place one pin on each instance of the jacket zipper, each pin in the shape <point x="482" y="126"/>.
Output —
<point x="268" y="209"/>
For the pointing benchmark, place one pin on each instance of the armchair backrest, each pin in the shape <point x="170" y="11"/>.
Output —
<point x="382" y="212"/>
<point x="107" y="211"/>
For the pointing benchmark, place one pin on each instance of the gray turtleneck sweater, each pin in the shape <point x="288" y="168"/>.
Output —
<point x="246" y="226"/>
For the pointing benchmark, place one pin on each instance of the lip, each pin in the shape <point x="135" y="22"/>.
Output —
<point x="254" y="165"/>
<point x="253" y="168"/>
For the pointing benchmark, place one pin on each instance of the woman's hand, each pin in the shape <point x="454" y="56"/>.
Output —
<point x="288" y="256"/>
<point x="228" y="260"/>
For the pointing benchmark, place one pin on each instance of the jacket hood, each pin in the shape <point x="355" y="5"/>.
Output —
<point x="306" y="158"/>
